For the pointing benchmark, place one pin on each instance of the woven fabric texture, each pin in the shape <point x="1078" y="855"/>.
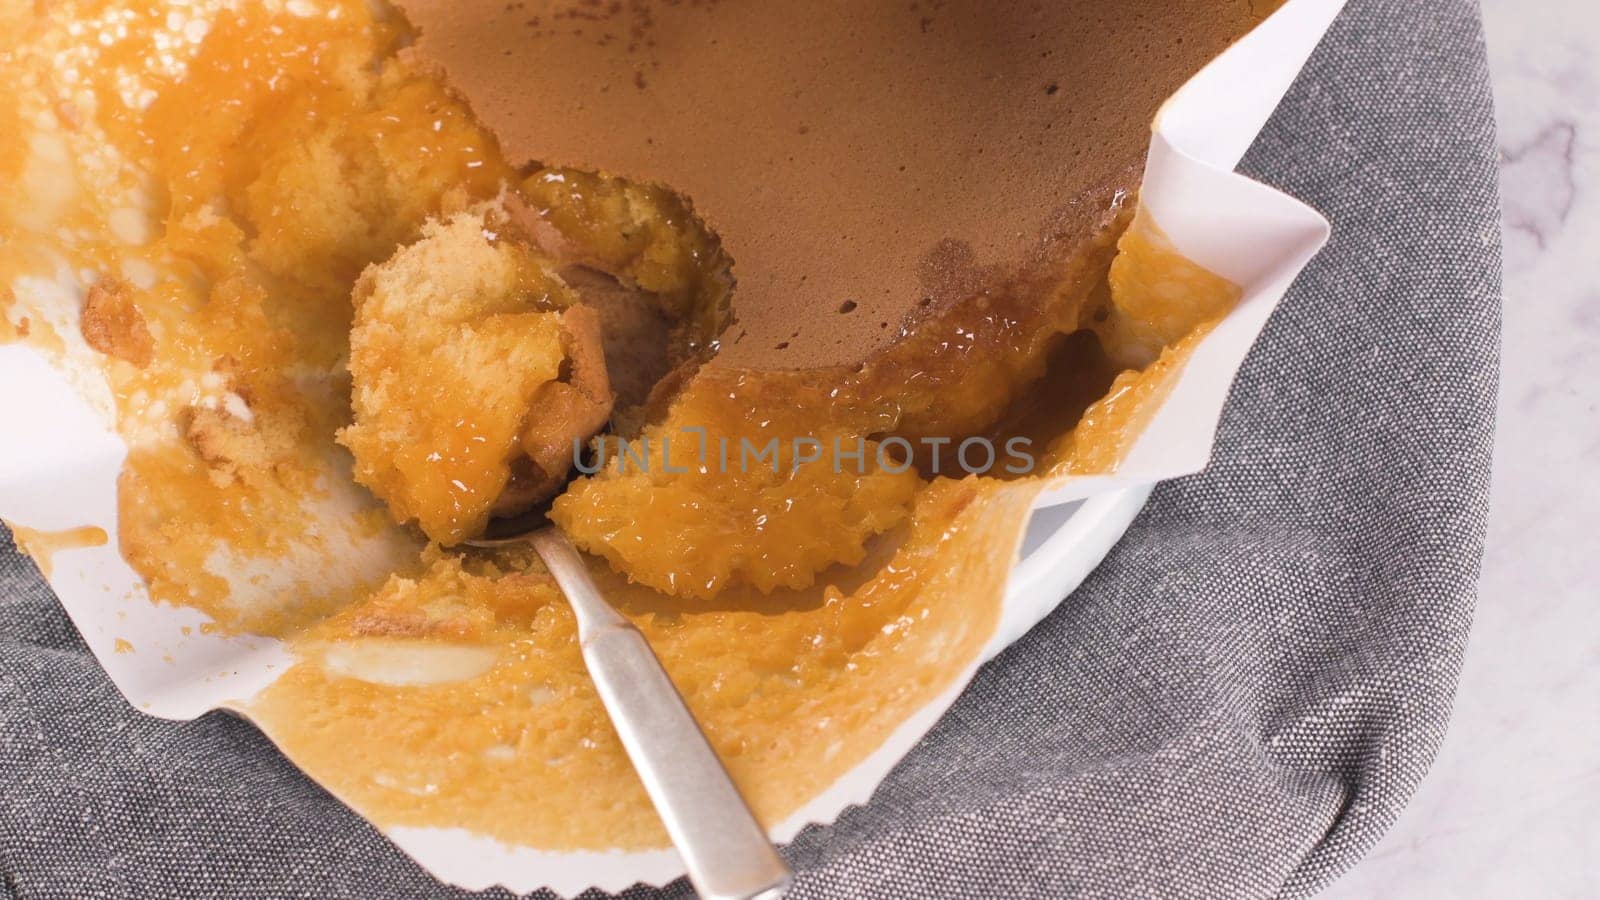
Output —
<point x="1235" y="704"/>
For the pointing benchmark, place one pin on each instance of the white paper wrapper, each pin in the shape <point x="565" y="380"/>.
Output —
<point x="59" y="461"/>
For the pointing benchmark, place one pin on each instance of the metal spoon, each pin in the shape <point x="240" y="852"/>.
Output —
<point x="724" y="848"/>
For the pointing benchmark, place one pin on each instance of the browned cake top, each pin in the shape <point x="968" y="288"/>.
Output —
<point x="854" y="157"/>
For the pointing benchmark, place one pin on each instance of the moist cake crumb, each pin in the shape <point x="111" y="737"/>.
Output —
<point x="113" y="324"/>
<point x="467" y="351"/>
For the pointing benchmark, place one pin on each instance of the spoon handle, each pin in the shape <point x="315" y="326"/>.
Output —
<point x="725" y="850"/>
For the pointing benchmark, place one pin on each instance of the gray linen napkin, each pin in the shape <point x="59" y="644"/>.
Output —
<point x="1236" y="703"/>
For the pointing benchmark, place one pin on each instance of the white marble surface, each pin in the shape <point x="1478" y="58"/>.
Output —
<point x="1512" y="806"/>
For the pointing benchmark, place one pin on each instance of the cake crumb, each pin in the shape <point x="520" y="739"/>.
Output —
<point x="473" y="369"/>
<point x="113" y="324"/>
<point x="236" y="443"/>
